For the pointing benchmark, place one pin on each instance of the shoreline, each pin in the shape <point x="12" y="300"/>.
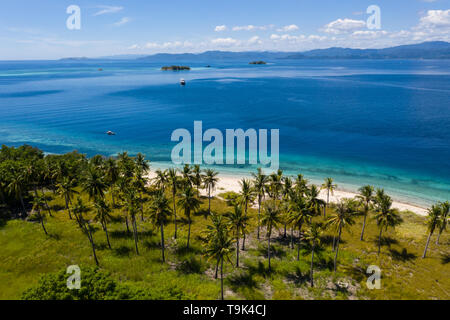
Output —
<point x="230" y="182"/>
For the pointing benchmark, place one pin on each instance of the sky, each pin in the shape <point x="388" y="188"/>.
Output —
<point x="39" y="29"/>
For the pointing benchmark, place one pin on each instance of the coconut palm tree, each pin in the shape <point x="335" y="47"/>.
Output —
<point x="189" y="202"/>
<point x="286" y="197"/>
<point x="300" y="213"/>
<point x="103" y="216"/>
<point x="301" y="185"/>
<point x="160" y="180"/>
<point x="341" y="218"/>
<point x="79" y="209"/>
<point x="141" y="165"/>
<point x="259" y="188"/>
<point x="186" y="173"/>
<point x="111" y="176"/>
<point x="16" y="186"/>
<point x="271" y="220"/>
<point x="159" y="214"/>
<point x="245" y="198"/>
<point x="330" y="187"/>
<point x="211" y="231"/>
<point x="172" y="179"/>
<point x="219" y="247"/>
<point x="385" y="215"/>
<point x="133" y="209"/>
<point x="94" y="185"/>
<point x="434" y="215"/>
<point x="210" y="180"/>
<point x="197" y="177"/>
<point x="443" y="221"/>
<point x="366" y="199"/>
<point x="275" y="184"/>
<point x="313" y="234"/>
<point x="66" y="188"/>
<point x="238" y="223"/>
<point x="314" y="203"/>
<point x="38" y="205"/>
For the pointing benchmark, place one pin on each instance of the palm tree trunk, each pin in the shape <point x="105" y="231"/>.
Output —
<point x="67" y="206"/>
<point x="379" y="240"/>
<point x="237" y="248"/>
<point x="259" y="214"/>
<point x="298" y="242"/>
<point x="292" y="237"/>
<point x="42" y="221"/>
<point x="438" y="236"/>
<point x="46" y="203"/>
<point x="243" y="239"/>
<point x="126" y="223"/>
<point x="189" y="233"/>
<point x="135" y="235"/>
<point x="426" y="246"/>
<point x="162" y="243"/>
<point x="107" y="235"/>
<point x="285" y="229"/>
<point x="91" y="240"/>
<point x="142" y="206"/>
<point x="217" y="268"/>
<point x="363" y="227"/>
<point x="209" y="200"/>
<point x="24" y="212"/>
<point x="337" y="248"/>
<point x="221" y="277"/>
<point x="312" y="264"/>
<point x="268" y="248"/>
<point x="174" y="211"/>
<point x="334" y="242"/>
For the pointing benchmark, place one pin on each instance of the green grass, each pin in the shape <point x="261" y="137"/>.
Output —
<point x="26" y="253"/>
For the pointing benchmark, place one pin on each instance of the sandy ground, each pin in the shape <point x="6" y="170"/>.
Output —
<point x="231" y="183"/>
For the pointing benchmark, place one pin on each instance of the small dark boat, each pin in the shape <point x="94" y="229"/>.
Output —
<point x="182" y="82"/>
<point x="110" y="133"/>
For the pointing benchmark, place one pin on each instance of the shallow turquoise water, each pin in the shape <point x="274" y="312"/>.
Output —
<point x="386" y="123"/>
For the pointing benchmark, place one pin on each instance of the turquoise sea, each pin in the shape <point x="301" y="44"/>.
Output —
<point x="380" y="122"/>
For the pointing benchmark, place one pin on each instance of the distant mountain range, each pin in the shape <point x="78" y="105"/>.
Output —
<point x="425" y="50"/>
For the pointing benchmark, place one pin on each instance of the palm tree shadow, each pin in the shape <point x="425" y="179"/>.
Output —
<point x="297" y="277"/>
<point x="403" y="256"/>
<point x="385" y="241"/>
<point x="122" y="251"/>
<point x="190" y="266"/>
<point x="203" y="213"/>
<point x="242" y="279"/>
<point x="123" y="234"/>
<point x="259" y="269"/>
<point x="445" y="258"/>
<point x="183" y="250"/>
<point x="152" y="244"/>
<point x="274" y="252"/>
<point x="57" y="207"/>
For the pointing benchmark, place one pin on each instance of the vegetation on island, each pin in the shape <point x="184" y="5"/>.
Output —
<point x="171" y="238"/>
<point x="257" y="62"/>
<point x="175" y="68"/>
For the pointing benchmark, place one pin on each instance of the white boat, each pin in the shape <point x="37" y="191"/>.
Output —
<point x="110" y="133"/>
<point x="182" y="82"/>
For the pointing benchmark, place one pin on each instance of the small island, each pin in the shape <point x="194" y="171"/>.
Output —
<point x="257" y="62"/>
<point x="175" y="68"/>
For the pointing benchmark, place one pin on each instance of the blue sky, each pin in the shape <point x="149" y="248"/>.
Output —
<point x="37" y="29"/>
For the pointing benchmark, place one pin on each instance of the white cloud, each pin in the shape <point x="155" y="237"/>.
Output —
<point x="225" y="42"/>
<point x="435" y="19"/>
<point x="250" y="27"/>
<point x="255" y="40"/>
<point x="122" y="21"/>
<point x="341" y="26"/>
<point x="134" y="47"/>
<point x="107" y="9"/>
<point x="368" y="34"/>
<point x="220" y="28"/>
<point x="288" y="28"/>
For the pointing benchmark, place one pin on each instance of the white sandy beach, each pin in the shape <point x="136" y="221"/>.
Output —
<point x="231" y="183"/>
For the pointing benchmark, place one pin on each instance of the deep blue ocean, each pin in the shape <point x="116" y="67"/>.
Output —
<point x="385" y="123"/>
